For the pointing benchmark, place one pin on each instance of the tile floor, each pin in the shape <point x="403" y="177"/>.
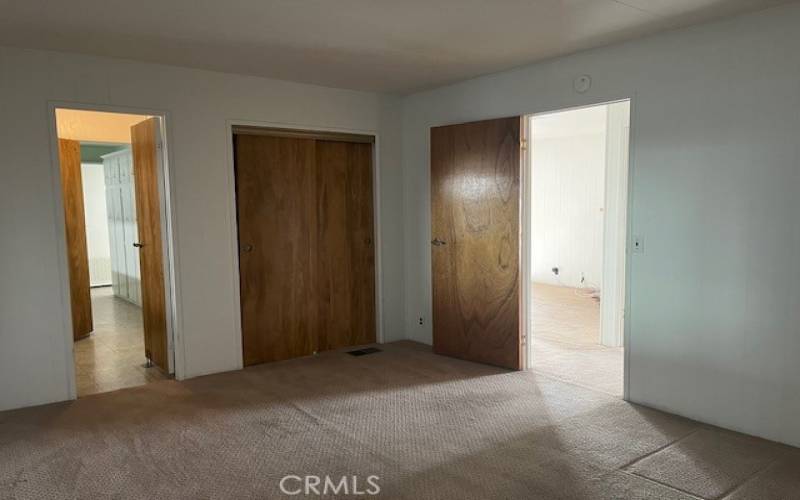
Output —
<point x="112" y="357"/>
<point x="566" y="335"/>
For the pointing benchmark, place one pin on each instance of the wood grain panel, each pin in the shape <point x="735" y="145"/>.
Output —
<point x="69" y="153"/>
<point x="276" y="210"/>
<point x="346" y="256"/>
<point x="145" y="139"/>
<point x="475" y="210"/>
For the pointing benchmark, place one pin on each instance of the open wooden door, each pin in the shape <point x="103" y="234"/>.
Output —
<point x="69" y="156"/>
<point x="475" y="216"/>
<point x="145" y="144"/>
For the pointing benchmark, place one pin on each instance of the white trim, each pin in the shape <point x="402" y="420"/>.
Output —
<point x="229" y="126"/>
<point x="615" y="187"/>
<point x="526" y="243"/>
<point x="627" y="337"/>
<point x="166" y="228"/>
<point x="168" y="231"/>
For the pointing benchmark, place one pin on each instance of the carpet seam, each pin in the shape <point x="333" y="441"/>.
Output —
<point x="665" y="485"/>
<point x="657" y="450"/>
<point x="746" y="480"/>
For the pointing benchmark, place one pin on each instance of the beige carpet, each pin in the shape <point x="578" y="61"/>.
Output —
<point x="431" y="427"/>
<point x="566" y="340"/>
<point x="112" y="357"/>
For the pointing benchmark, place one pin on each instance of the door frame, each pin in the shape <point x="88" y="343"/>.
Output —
<point x="526" y="239"/>
<point x="166" y="190"/>
<point x="233" y="223"/>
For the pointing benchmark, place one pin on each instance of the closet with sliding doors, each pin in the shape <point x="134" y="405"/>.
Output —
<point x="306" y="241"/>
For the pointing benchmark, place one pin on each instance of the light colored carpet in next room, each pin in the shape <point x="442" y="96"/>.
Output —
<point x="566" y="340"/>
<point x="431" y="427"/>
<point x="112" y="357"/>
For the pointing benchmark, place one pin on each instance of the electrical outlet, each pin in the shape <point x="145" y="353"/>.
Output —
<point x="638" y="244"/>
<point x="555" y="271"/>
<point x="421" y="321"/>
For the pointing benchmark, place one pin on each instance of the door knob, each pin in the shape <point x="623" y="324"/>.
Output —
<point x="138" y="245"/>
<point x="246" y="248"/>
<point x="437" y="242"/>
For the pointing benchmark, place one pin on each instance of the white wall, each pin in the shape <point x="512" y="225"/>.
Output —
<point x="714" y="299"/>
<point x="94" y="205"/>
<point x="568" y="163"/>
<point x="33" y="367"/>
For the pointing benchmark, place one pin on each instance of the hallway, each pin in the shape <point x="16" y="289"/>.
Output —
<point x="112" y="357"/>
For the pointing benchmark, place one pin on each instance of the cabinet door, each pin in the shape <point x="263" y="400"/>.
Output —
<point x="134" y="277"/>
<point x="112" y="236"/>
<point x="129" y="229"/>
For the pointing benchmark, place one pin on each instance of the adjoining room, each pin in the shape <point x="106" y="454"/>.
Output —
<point x="113" y="346"/>
<point x="578" y="166"/>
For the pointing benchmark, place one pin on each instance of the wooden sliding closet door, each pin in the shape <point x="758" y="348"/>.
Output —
<point x="69" y="155"/>
<point x="346" y="255"/>
<point x="276" y="208"/>
<point x="475" y="216"/>
<point x="306" y="256"/>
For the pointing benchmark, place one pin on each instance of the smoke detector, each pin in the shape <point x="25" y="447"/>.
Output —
<point x="582" y="84"/>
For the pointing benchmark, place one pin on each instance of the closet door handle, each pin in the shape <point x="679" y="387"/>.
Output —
<point x="246" y="248"/>
<point x="138" y="245"/>
<point x="437" y="242"/>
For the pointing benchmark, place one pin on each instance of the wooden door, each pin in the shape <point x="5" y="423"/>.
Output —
<point x="475" y="217"/>
<point x="69" y="153"/>
<point x="346" y="255"/>
<point x="276" y="210"/>
<point x="145" y="144"/>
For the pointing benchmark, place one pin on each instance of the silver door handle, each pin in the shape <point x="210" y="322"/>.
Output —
<point x="138" y="245"/>
<point x="437" y="242"/>
<point x="246" y="248"/>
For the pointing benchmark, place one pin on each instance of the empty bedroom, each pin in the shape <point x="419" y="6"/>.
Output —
<point x="267" y="249"/>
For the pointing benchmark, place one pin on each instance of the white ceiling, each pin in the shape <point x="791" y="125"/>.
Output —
<point x="383" y="45"/>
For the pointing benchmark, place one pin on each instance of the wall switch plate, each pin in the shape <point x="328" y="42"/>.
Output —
<point x="638" y="244"/>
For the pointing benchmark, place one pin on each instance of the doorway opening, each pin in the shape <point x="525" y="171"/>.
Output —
<point x="112" y="168"/>
<point x="577" y="186"/>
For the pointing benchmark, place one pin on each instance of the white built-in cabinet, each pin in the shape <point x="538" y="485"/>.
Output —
<point x="122" y="230"/>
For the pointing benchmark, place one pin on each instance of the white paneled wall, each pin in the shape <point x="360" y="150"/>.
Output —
<point x="97" y="243"/>
<point x="568" y="170"/>
<point x="122" y="227"/>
